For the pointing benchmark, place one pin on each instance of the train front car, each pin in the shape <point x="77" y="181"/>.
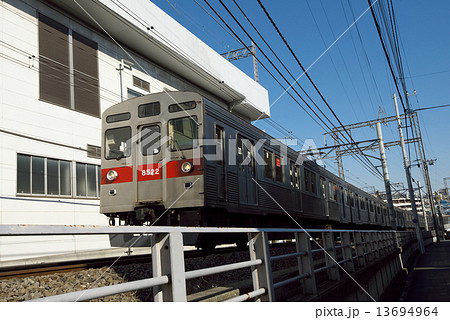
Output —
<point x="152" y="161"/>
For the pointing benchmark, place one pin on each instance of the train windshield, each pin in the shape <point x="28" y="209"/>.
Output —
<point x="183" y="133"/>
<point x="118" y="143"/>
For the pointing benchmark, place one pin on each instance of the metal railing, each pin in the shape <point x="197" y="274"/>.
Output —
<point x="317" y="251"/>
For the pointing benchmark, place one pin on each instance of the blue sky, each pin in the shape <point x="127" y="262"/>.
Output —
<point x="353" y="89"/>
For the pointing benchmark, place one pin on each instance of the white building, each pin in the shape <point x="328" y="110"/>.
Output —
<point x="62" y="63"/>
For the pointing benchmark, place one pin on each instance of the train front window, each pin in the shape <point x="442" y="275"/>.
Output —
<point x="182" y="106"/>
<point x="183" y="133"/>
<point x="118" y="143"/>
<point x="150" y="140"/>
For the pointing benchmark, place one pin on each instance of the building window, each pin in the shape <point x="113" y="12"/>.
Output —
<point x="68" y="80"/>
<point x="43" y="176"/>
<point x="87" y="180"/>
<point x="133" y="94"/>
<point x="142" y="84"/>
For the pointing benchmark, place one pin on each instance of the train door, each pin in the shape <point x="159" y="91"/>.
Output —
<point x="324" y="196"/>
<point x="219" y="136"/>
<point x="148" y="160"/>
<point x="246" y="171"/>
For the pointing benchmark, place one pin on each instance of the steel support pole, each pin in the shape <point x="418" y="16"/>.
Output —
<point x="339" y="163"/>
<point x="387" y="182"/>
<point x="408" y="178"/>
<point x="423" y="206"/>
<point x="426" y="176"/>
<point x="255" y="63"/>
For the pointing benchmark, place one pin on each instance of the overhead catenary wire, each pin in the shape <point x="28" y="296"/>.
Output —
<point x="373" y="167"/>
<point x="374" y="171"/>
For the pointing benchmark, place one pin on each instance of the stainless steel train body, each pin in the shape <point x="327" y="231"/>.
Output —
<point x="176" y="158"/>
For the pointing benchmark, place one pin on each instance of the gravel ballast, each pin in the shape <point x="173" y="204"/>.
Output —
<point x="33" y="287"/>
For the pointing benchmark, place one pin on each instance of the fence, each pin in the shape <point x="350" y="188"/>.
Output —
<point x="337" y="249"/>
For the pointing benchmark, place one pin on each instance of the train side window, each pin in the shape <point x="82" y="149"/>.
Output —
<point x="183" y="133"/>
<point x="307" y="180"/>
<point x="149" y="109"/>
<point x="220" y="137"/>
<point x="268" y="164"/>
<point x="118" y="143"/>
<point x="278" y="170"/>
<point x="313" y="183"/>
<point x="292" y="173"/>
<point x="150" y="140"/>
<point x="182" y="106"/>
<point x="239" y="152"/>
<point x="297" y="177"/>
<point x="333" y="191"/>
<point x="323" y="188"/>
<point x="249" y="148"/>
<point x="244" y="151"/>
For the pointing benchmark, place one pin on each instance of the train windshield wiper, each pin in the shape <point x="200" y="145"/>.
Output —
<point x="177" y="147"/>
<point x="120" y="154"/>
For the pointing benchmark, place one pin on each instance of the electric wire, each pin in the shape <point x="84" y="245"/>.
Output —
<point x="376" y="170"/>
<point x="315" y="87"/>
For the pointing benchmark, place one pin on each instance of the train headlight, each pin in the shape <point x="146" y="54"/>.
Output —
<point x="112" y="175"/>
<point x="187" y="167"/>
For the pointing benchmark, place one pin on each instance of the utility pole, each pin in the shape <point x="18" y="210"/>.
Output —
<point x="408" y="178"/>
<point x="387" y="183"/>
<point x="426" y="176"/>
<point x="423" y="205"/>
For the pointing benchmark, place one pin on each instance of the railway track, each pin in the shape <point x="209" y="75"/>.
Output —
<point x="61" y="267"/>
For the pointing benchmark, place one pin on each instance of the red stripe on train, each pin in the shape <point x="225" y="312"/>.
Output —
<point x="173" y="168"/>
<point x="125" y="174"/>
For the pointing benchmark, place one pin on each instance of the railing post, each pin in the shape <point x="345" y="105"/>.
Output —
<point x="368" y="246"/>
<point x="261" y="274"/>
<point x="306" y="263"/>
<point x="347" y="251"/>
<point x="359" y="249"/>
<point x="168" y="259"/>
<point x="386" y="242"/>
<point x="330" y="258"/>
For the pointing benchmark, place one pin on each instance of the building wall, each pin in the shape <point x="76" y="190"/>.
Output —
<point x="37" y="128"/>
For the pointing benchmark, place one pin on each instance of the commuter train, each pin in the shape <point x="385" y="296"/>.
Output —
<point x="177" y="158"/>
